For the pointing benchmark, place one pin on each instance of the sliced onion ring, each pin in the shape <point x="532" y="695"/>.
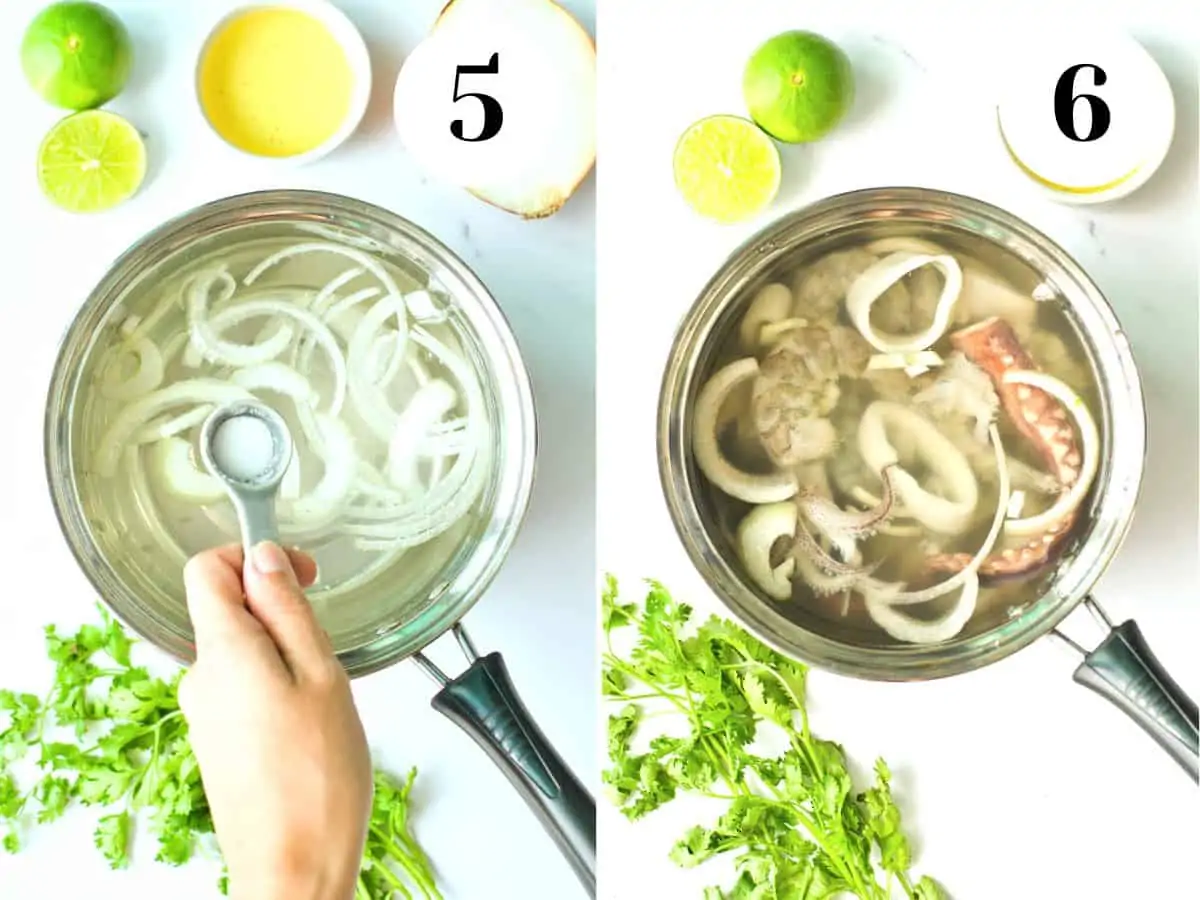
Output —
<point x="147" y="376"/>
<point x="171" y="425"/>
<point x="903" y="627"/>
<point x="205" y="332"/>
<point x="356" y="256"/>
<point x="177" y="470"/>
<point x="946" y="516"/>
<point x="707" y="450"/>
<point x="874" y="283"/>
<point x="909" y="598"/>
<point x="756" y="534"/>
<point x="127" y="421"/>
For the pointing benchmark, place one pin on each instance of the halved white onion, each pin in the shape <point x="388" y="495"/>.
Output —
<point x="544" y="84"/>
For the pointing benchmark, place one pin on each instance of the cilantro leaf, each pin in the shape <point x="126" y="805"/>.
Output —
<point x="792" y="822"/>
<point x="112" y="838"/>
<point x="131" y="756"/>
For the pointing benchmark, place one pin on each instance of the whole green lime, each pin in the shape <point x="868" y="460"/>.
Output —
<point x="798" y="86"/>
<point x="77" y="55"/>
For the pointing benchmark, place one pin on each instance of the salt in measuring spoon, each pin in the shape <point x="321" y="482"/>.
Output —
<point x="248" y="447"/>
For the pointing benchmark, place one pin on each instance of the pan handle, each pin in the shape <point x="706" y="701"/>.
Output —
<point x="483" y="702"/>
<point x="1123" y="670"/>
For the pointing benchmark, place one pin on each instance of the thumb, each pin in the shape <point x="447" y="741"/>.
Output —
<point x="275" y="598"/>
<point x="220" y="621"/>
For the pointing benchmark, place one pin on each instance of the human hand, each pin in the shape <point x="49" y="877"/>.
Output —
<point x="282" y="752"/>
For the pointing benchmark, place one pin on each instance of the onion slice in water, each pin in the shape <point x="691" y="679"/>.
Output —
<point x="706" y="448"/>
<point x="277" y="377"/>
<point x="881" y="605"/>
<point x="363" y="261"/>
<point x="194" y="391"/>
<point x="338" y="453"/>
<point x="143" y="498"/>
<point x="874" y="283"/>
<point x="756" y="534"/>
<point x="146" y="377"/>
<point x="448" y="500"/>
<point x="904" y="627"/>
<point x="432" y="401"/>
<point x="171" y="425"/>
<point x="205" y="338"/>
<point x="176" y="467"/>
<point x="909" y="598"/>
<point x="366" y="397"/>
<point x="435" y="447"/>
<point x="320" y="331"/>
<point x="939" y="453"/>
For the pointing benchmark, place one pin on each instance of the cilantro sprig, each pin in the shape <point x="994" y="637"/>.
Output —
<point x="792" y="820"/>
<point x="110" y="735"/>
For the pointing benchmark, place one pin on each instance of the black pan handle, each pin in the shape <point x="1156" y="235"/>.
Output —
<point x="1123" y="670"/>
<point x="483" y="702"/>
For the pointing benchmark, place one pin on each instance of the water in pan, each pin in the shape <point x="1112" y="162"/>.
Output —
<point x="877" y="457"/>
<point x="384" y="401"/>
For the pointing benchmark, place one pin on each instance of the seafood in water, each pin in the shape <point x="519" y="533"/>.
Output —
<point x="797" y="388"/>
<point x="992" y="345"/>
<point x="868" y="288"/>
<point x="865" y="433"/>
<point x="819" y="289"/>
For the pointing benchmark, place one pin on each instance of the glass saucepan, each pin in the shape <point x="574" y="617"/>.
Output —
<point x="380" y="601"/>
<point x="1121" y="668"/>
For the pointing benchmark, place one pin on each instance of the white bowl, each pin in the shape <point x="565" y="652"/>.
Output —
<point x="348" y="38"/>
<point x="1143" y="109"/>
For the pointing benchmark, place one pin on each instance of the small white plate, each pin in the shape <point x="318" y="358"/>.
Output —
<point x="348" y="38"/>
<point x="1131" y="101"/>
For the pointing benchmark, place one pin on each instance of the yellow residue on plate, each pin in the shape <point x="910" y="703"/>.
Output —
<point x="274" y="82"/>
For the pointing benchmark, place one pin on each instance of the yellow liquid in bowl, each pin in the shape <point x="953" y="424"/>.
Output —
<point x="274" y="82"/>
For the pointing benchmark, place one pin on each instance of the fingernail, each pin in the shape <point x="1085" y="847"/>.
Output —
<point x="269" y="559"/>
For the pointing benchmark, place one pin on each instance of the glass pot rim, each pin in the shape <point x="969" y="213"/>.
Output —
<point x="1123" y="412"/>
<point x="509" y="388"/>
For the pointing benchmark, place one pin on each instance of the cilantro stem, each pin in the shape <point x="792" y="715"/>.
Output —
<point x="149" y="771"/>
<point x="396" y="883"/>
<point x="621" y="666"/>
<point x="411" y="866"/>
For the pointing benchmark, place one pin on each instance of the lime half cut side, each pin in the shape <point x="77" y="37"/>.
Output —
<point x="727" y="168"/>
<point x="91" y="161"/>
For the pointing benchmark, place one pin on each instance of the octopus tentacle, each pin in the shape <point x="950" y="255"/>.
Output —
<point x="994" y="347"/>
<point x="854" y="523"/>
<point x="1020" y="560"/>
<point x="1041" y="419"/>
<point x="806" y="546"/>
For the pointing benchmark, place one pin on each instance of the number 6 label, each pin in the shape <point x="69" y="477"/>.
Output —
<point x="1065" y="99"/>
<point x="1088" y="116"/>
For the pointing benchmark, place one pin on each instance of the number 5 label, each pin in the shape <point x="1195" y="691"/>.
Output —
<point x="1087" y="114"/>
<point x="493" y="112"/>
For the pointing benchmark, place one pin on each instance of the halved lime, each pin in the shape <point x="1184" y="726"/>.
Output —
<point x="91" y="161"/>
<point x="77" y="55"/>
<point x="798" y="86"/>
<point x="726" y="168"/>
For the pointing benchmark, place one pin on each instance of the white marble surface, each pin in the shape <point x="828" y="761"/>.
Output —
<point x="540" y="612"/>
<point x="1017" y="782"/>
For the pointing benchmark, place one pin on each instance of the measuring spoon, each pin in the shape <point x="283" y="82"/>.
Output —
<point x="248" y="447"/>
